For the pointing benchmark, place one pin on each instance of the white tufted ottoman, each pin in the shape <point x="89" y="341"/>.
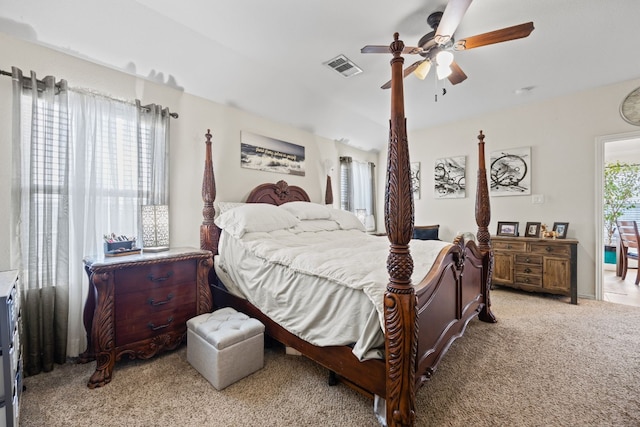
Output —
<point x="225" y="346"/>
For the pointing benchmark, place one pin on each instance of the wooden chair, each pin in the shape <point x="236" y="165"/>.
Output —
<point x="629" y="238"/>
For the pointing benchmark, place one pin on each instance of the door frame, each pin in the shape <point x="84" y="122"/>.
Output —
<point x="599" y="205"/>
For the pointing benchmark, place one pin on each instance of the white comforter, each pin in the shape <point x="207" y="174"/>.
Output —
<point x="326" y="287"/>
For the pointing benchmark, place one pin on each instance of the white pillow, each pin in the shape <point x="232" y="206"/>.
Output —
<point x="222" y="207"/>
<point x="315" y="225"/>
<point x="307" y="210"/>
<point x="346" y="220"/>
<point x="253" y="217"/>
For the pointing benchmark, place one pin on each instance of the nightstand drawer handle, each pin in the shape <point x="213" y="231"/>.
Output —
<point x="160" y="279"/>
<point x="527" y="270"/>
<point x="157" y="303"/>
<point x="548" y="249"/>
<point x="526" y="280"/>
<point x="527" y="259"/>
<point x="166" y="325"/>
<point x="508" y="246"/>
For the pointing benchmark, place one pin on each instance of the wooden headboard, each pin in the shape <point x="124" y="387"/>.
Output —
<point x="277" y="194"/>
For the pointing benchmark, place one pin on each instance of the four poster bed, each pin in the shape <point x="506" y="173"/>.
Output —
<point x="417" y="322"/>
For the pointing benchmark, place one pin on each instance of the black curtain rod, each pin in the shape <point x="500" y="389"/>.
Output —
<point x="6" y="73"/>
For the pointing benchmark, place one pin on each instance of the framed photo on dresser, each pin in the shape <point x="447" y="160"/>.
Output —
<point x="561" y="228"/>
<point x="507" y="228"/>
<point x="532" y="229"/>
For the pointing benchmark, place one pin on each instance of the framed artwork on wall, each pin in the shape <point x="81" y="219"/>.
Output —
<point x="415" y="180"/>
<point x="271" y="155"/>
<point x="510" y="172"/>
<point x="449" y="178"/>
<point x="532" y="229"/>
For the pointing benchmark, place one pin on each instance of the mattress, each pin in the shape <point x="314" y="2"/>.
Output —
<point x="325" y="287"/>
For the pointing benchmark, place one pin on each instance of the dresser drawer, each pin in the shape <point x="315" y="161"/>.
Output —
<point x="154" y="275"/>
<point x="509" y="246"/>
<point x="528" y="259"/>
<point x="144" y="303"/>
<point x="551" y="249"/>
<point x="535" y="270"/>
<point x="523" y="279"/>
<point x="129" y="330"/>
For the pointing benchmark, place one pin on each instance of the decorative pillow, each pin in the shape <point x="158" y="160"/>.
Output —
<point x="307" y="210"/>
<point x="427" y="232"/>
<point x="346" y="220"/>
<point x="255" y="217"/>
<point x="222" y="207"/>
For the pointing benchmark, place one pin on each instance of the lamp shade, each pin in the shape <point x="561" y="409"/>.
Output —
<point x="444" y="58"/>
<point x="443" y="71"/>
<point x="422" y="70"/>
<point x="155" y="228"/>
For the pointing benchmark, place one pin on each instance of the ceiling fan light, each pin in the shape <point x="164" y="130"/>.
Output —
<point x="443" y="71"/>
<point x="444" y="58"/>
<point x="422" y="70"/>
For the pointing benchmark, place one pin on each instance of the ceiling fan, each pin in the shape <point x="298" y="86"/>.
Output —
<point x="437" y="46"/>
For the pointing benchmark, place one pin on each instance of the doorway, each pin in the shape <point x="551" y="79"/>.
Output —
<point x="609" y="287"/>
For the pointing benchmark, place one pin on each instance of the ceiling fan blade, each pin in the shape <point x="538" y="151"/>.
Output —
<point x="457" y="75"/>
<point x="498" y="36"/>
<point x="408" y="50"/>
<point x="410" y="69"/>
<point x="451" y="18"/>
<point x="375" y="49"/>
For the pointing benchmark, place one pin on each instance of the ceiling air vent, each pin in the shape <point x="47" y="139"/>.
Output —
<point x="344" y="66"/>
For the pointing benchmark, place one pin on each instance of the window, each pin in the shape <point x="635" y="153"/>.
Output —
<point x="357" y="190"/>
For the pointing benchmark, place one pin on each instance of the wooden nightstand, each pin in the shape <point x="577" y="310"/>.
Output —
<point x="138" y="305"/>
<point x="536" y="265"/>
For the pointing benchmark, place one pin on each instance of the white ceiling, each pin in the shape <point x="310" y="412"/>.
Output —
<point x="266" y="57"/>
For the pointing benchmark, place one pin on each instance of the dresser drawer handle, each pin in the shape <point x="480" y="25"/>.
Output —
<point x="526" y="280"/>
<point x="527" y="259"/>
<point x="527" y="270"/>
<point x="160" y="279"/>
<point x="166" y="325"/>
<point x="154" y="303"/>
<point x="508" y="246"/>
<point x="548" y="249"/>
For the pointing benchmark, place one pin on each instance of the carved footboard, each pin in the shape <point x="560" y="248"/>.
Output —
<point x="447" y="299"/>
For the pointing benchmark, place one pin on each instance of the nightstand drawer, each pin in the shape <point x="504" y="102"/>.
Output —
<point x="144" y="303"/>
<point x="130" y="330"/>
<point x="154" y="275"/>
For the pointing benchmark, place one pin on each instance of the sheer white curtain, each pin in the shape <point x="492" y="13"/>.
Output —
<point x="104" y="158"/>
<point x="357" y="189"/>
<point x="362" y="183"/>
<point x="120" y="162"/>
<point x="41" y="216"/>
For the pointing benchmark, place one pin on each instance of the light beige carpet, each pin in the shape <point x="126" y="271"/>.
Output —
<point x="546" y="363"/>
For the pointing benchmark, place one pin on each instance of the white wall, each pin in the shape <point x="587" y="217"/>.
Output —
<point x="562" y="135"/>
<point x="187" y="139"/>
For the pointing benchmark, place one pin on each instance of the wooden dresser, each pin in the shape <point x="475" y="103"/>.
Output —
<point x="138" y="305"/>
<point x="536" y="265"/>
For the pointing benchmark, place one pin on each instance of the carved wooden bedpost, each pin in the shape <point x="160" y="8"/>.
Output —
<point x="328" y="194"/>
<point x="399" y="299"/>
<point x="209" y="232"/>
<point x="483" y="217"/>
